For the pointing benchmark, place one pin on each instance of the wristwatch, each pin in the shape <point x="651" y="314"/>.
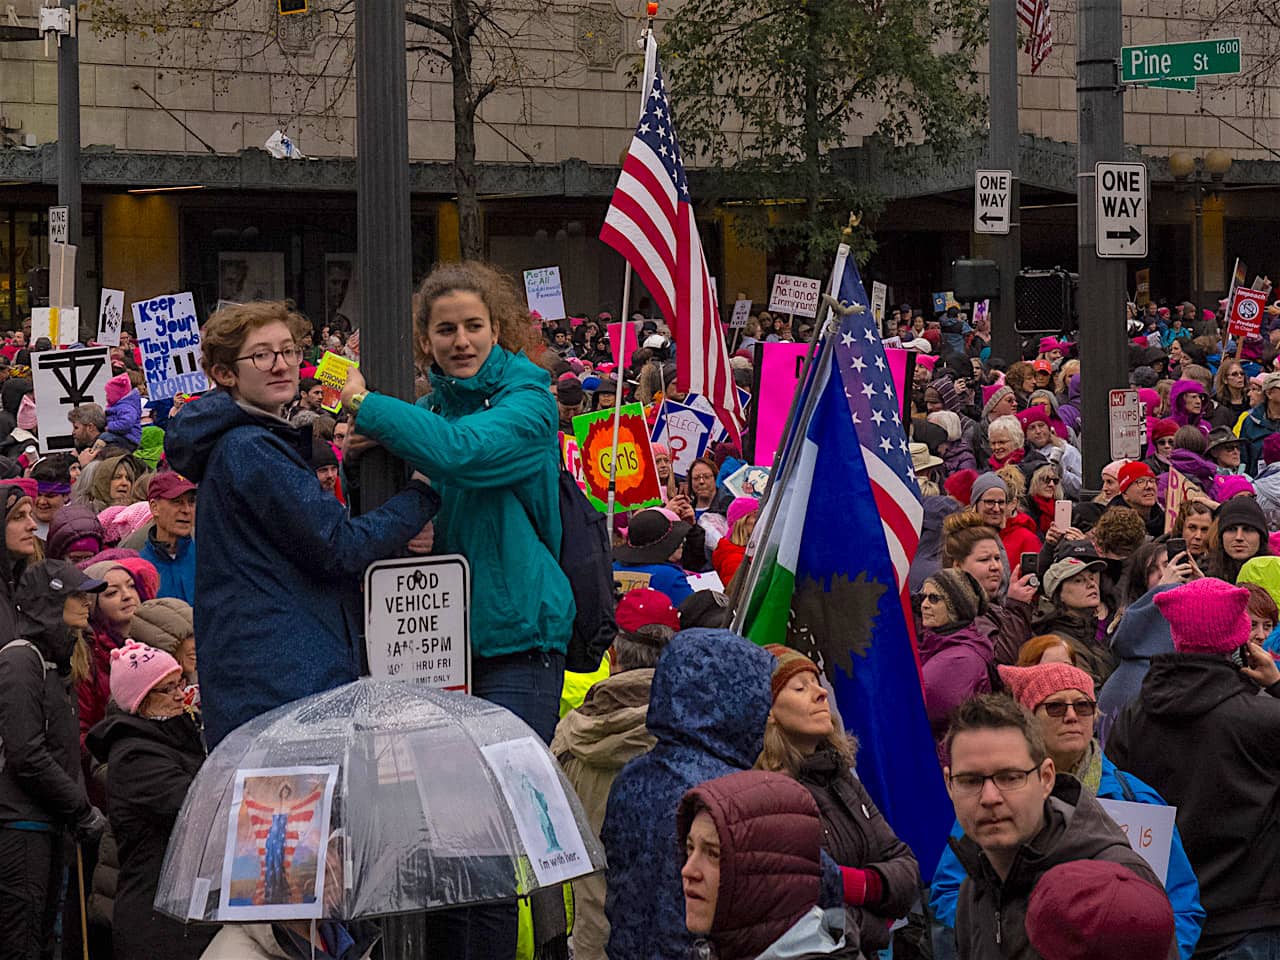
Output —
<point x="353" y="405"/>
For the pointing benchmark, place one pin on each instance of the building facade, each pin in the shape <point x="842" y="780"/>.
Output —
<point x="179" y="194"/>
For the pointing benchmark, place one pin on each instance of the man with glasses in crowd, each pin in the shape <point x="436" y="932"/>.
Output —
<point x="1137" y="486"/>
<point x="1020" y="819"/>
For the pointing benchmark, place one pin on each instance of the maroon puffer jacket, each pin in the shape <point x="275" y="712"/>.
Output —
<point x="770" y="856"/>
<point x="69" y="524"/>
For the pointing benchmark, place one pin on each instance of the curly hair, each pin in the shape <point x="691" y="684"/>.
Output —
<point x="1119" y="532"/>
<point x="507" y="310"/>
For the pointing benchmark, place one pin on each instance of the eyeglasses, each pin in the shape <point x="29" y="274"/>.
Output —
<point x="168" y="690"/>
<point x="1144" y="482"/>
<point x="971" y="784"/>
<point x="1165" y="442"/>
<point x="1058" y="709"/>
<point x="994" y="504"/>
<point x="1051" y="481"/>
<point x="265" y="359"/>
<point x="933" y="598"/>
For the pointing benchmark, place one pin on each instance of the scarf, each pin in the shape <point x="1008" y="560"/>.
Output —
<point x="1089" y="770"/>
<point x="1046" y="507"/>
<point x="1015" y="457"/>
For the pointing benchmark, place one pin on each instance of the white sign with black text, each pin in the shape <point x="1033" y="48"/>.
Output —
<point x="992" y="200"/>
<point x="169" y="338"/>
<point x="1120" y="190"/>
<point x="416" y="621"/>
<point x="1127" y="422"/>
<point x="59" y="224"/>
<point x="63" y="380"/>
<point x="797" y="296"/>
<point x="110" y="316"/>
<point x="741" y="313"/>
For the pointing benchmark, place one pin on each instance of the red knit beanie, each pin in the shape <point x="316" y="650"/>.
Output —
<point x="1131" y="471"/>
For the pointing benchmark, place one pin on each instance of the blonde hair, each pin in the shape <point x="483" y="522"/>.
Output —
<point x="1063" y="380"/>
<point x="782" y="755"/>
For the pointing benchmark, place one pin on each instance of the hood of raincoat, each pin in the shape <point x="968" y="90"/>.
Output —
<point x="1179" y="390"/>
<point x="40" y="618"/>
<point x="1186" y="686"/>
<point x="192" y="435"/>
<point x="729" y="725"/>
<point x="609" y="728"/>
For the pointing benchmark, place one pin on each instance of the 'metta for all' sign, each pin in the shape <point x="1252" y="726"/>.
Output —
<point x="1245" y="318"/>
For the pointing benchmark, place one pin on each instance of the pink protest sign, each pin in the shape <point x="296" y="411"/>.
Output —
<point x="615" y="339"/>
<point x="780" y="367"/>
<point x="898" y="367"/>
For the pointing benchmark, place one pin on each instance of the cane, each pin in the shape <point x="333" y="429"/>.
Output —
<point x="84" y="919"/>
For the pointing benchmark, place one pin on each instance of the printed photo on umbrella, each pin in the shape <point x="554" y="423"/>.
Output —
<point x="276" y="837"/>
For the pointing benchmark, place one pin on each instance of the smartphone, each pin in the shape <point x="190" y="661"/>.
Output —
<point x="1175" y="546"/>
<point x="1030" y="564"/>
<point x="1062" y="514"/>
<point x="1240" y="657"/>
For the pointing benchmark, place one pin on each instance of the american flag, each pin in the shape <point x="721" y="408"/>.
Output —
<point x="651" y="223"/>
<point x="1036" y="17"/>
<point x="296" y="822"/>
<point x="876" y="411"/>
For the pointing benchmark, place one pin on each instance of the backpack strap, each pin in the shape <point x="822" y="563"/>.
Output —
<point x="44" y="664"/>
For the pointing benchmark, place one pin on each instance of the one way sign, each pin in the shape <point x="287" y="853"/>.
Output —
<point x="1121" y="193"/>
<point x="991" y="203"/>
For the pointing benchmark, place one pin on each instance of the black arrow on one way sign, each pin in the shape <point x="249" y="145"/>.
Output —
<point x="987" y="219"/>
<point x="1132" y="234"/>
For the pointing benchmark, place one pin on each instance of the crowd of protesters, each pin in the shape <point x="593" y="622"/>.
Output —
<point x="1080" y="639"/>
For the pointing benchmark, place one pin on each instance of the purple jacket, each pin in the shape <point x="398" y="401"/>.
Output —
<point x="1176" y="412"/>
<point x="124" y="418"/>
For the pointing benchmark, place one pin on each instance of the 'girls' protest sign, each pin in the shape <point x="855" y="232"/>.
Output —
<point x="169" y="337"/>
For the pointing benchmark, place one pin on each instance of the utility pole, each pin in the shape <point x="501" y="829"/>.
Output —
<point x="1103" y="336"/>
<point x="69" y="160"/>
<point x="1002" y="145"/>
<point x="384" y="261"/>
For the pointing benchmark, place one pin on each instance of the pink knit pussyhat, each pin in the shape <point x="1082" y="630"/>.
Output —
<point x="1031" y="686"/>
<point x="1206" y="616"/>
<point x="136" y="670"/>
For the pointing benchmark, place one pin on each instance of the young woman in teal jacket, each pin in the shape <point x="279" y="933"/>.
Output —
<point x="487" y="438"/>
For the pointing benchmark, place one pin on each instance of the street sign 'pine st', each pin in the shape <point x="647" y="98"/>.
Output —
<point x="1167" y="61"/>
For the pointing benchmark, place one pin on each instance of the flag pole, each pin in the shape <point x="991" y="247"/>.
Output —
<point x="787" y="454"/>
<point x="650" y="61"/>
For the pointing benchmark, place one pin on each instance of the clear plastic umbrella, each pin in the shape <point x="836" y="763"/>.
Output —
<point x="374" y="799"/>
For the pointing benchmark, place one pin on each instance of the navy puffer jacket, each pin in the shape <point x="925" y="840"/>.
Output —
<point x="707" y="708"/>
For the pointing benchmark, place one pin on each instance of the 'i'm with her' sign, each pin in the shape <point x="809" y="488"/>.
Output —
<point x="169" y="338"/>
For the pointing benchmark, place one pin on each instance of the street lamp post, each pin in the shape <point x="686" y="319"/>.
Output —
<point x="1194" y="173"/>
